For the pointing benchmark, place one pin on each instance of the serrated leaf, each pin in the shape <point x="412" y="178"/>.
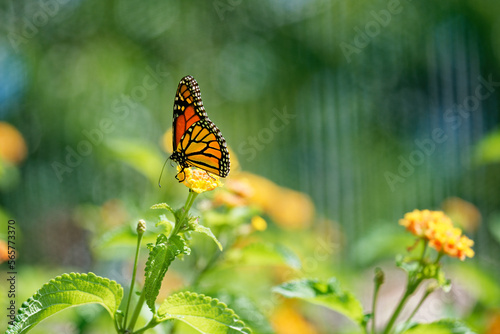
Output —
<point x="160" y="257"/>
<point x="446" y="326"/>
<point x="63" y="292"/>
<point x="207" y="231"/>
<point x="163" y="206"/>
<point x="205" y="314"/>
<point x="328" y="294"/>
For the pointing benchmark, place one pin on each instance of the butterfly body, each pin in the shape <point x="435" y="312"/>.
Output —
<point x="196" y="140"/>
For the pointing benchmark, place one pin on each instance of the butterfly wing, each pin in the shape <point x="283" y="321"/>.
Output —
<point x="196" y="140"/>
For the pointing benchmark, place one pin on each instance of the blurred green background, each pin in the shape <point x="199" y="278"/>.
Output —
<point x="370" y="108"/>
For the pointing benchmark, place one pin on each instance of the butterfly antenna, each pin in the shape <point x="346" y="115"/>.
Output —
<point x="159" y="179"/>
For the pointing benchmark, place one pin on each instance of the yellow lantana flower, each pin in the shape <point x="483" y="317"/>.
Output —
<point x="437" y="229"/>
<point x="199" y="180"/>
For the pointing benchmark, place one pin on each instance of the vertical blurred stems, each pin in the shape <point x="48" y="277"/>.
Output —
<point x="141" y="228"/>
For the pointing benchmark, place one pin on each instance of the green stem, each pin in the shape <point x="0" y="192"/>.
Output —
<point x="374" y="303"/>
<point x="117" y="327"/>
<point x="395" y="315"/>
<point x="131" y="291"/>
<point x="189" y="202"/>
<point x="378" y="280"/>
<point x="411" y="286"/>
<point x="439" y="256"/>
<point x="137" y="311"/>
<point x="151" y="324"/>
<point x="424" y="297"/>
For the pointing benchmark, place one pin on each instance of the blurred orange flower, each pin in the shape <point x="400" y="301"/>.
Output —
<point x="238" y="193"/>
<point x="199" y="180"/>
<point x="463" y="213"/>
<point x="286" y="320"/>
<point x="172" y="282"/>
<point x="114" y="212"/>
<point x="494" y="324"/>
<point x="4" y="256"/>
<point x="437" y="228"/>
<point x="288" y="208"/>
<point x="12" y="145"/>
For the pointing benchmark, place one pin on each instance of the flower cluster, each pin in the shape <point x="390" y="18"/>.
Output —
<point x="199" y="180"/>
<point x="437" y="229"/>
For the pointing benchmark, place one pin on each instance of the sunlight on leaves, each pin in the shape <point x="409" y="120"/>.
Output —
<point x="441" y="327"/>
<point x="205" y="314"/>
<point x="66" y="291"/>
<point x="160" y="257"/>
<point x="328" y="294"/>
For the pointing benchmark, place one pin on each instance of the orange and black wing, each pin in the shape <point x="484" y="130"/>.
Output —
<point x="196" y="140"/>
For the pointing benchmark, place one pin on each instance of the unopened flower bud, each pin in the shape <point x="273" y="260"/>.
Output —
<point x="379" y="277"/>
<point x="141" y="227"/>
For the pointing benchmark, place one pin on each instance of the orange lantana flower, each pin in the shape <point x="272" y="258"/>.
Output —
<point x="437" y="229"/>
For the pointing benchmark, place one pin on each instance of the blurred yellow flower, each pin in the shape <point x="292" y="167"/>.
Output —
<point x="258" y="223"/>
<point x="199" y="180"/>
<point x="437" y="228"/>
<point x="12" y="145"/>
<point x="167" y="141"/>
<point x="291" y="209"/>
<point x="286" y="320"/>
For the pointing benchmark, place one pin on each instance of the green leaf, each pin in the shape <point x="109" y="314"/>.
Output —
<point x="264" y="254"/>
<point x="328" y="294"/>
<point x="166" y="223"/>
<point x="63" y="292"/>
<point x="160" y="257"/>
<point x="447" y="326"/>
<point x="473" y="275"/>
<point x="163" y="206"/>
<point x="142" y="156"/>
<point x="488" y="149"/>
<point x="207" y="231"/>
<point x="248" y="312"/>
<point x="203" y="313"/>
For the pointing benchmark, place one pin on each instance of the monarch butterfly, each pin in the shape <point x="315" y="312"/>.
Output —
<point x="196" y="140"/>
